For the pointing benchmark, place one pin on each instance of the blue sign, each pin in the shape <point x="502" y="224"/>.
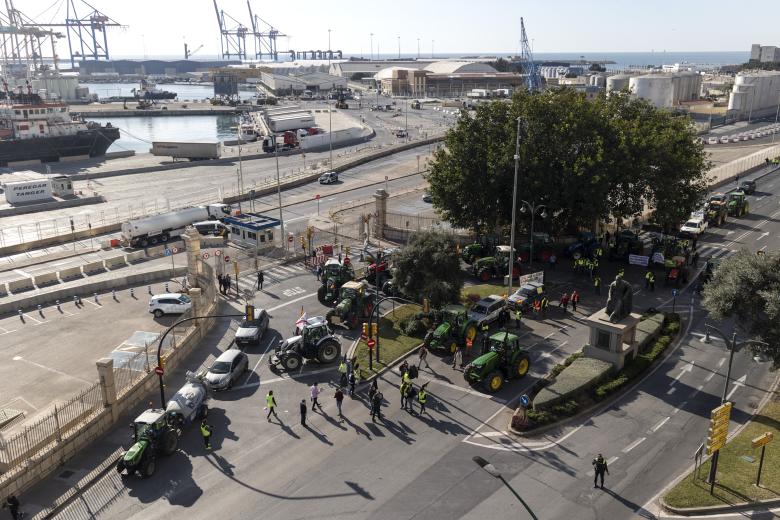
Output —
<point x="674" y="292"/>
<point x="524" y="401"/>
<point x="168" y="252"/>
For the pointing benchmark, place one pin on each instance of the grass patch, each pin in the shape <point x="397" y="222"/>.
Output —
<point x="392" y="341"/>
<point x="736" y="476"/>
<point x="471" y="294"/>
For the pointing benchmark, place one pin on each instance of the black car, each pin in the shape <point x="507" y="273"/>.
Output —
<point x="251" y="332"/>
<point x="749" y="187"/>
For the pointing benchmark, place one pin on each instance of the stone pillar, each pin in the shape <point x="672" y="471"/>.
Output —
<point x="192" y="245"/>
<point x="198" y="307"/>
<point x="105" y="368"/>
<point x="380" y="213"/>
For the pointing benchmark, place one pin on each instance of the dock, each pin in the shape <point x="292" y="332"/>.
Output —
<point x="195" y="108"/>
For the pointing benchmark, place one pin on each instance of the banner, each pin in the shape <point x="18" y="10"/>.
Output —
<point x="538" y="276"/>
<point x="638" y="260"/>
<point x="658" y="258"/>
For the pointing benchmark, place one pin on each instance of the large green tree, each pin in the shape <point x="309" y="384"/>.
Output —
<point x="585" y="160"/>
<point x="746" y="288"/>
<point x="429" y="267"/>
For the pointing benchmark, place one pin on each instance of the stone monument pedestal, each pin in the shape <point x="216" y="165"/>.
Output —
<point x="612" y="342"/>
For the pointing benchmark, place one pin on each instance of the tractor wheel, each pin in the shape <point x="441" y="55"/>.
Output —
<point x="329" y="351"/>
<point x="520" y="367"/>
<point x="470" y="331"/>
<point x="485" y="275"/>
<point x="120" y="464"/>
<point x="494" y="381"/>
<point x="453" y="346"/>
<point x="170" y="442"/>
<point x="148" y="467"/>
<point x="321" y="294"/>
<point x="292" y="362"/>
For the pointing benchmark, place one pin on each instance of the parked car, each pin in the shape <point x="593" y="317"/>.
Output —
<point x="169" y="303"/>
<point x="329" y="178"/>
<point x="251" y="332"/>
<point x="427" y="197"/>
<point x="694" y="227"/>
<point x="749" y="187"/>
<point x="226" y="369"/>
<point x="486" y="310"/>
<point x="526" y="296"/>
<point x="724" y="139"/>
<point x="712" y="140"/>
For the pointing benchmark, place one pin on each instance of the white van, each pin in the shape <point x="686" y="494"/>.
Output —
<point x="211" y="228"/>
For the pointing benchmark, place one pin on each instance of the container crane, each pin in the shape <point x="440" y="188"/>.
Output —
<point x="232" y="42"/>
<point x="533" y="79"/>
<point x="188" y="53"/>
<point x="265" y="41"/>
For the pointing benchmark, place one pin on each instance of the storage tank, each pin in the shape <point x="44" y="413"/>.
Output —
<point x="656" y="88"/>
<point x="755" y="93"/>
<point x="618" y="82"/>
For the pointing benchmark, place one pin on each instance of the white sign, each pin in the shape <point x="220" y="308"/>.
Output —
<point x="538" y="276"/>
<point x="639" y="260"/>
<point x="175" y="250"/>
<point x="658" y="258"/>
<point x="26" y="191"/>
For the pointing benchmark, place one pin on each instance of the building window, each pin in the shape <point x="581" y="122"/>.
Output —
<point x="234" y="230"/>
<point x="251" y="236"/>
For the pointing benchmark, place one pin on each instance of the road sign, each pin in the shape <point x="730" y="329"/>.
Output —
<point x="719" y="428"/>
<point x="317" y="196"/>
<point x="227" y="258"/>
<point x="168" y="252"/>
<point x="205" y="255"/>
<point x="371" y="343"/>
<point x="762" y="440"/>
<point x="159" y="371"/>
<point x="235" y="268"/>
<point x="175" y="250"/>
<point x="675" y="292"/>
<point x="524" y="401"/>
<point x="218" y="252"/>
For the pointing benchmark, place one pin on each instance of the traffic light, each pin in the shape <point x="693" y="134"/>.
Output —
<point x="309" y="232"/>
<point x="249" y="312"/>
<point x="365" y="331"/>
<point x="374" y="330"/>
<point x="303" y="242"/>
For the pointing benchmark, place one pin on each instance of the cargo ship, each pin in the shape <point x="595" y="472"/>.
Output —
<point x="150" y="92"/>
<point x="32" y="128"/>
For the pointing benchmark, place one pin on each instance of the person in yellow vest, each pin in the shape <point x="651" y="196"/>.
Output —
<point x="270" y="402"/>
<point x="205" y="431"/>
<point x="422" y="396"/>
<point x="343" y="373"/>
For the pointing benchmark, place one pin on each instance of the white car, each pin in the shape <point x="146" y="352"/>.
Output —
<point x="694" y="227"/>
<point x="329" y="178"/>
<point x="169" y="303"/>
<point x="487" y="309"/>
<point x="734" y="138"/>
<point x="724" y="139"/>
<point x="744" y="137"/>
<point x="712" y="140"/>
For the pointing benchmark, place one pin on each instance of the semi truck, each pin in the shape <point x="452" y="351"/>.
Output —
<point x="160" y="228"/>
<point x="192" y="150"/>
<point x="285" y="141"/>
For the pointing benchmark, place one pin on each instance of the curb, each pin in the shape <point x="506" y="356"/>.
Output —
<point x="742" y="506"/>
<point x="594" y="409"/>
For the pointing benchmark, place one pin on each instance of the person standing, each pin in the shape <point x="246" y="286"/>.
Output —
<point x="518" y="317"/>
<point x="411" y="397"/>
<point x="422" y="396"/>
<point x="352" y="380"/>
<point x="458" y="356"/>
<point x="303" y="409"/>
<point x="372" y="391"/>
<point x="545" y="303"/>
<point x="403" y="388"/>
<point x="270" y="402"/>
<point x="599" y="467"/>
<point x="376" y="406"/>
<point x="575" y="299"/>
<point x="553" y="260"/>
<point x="205" y="431"/>
<point x="228" y="283"/>
<point x="423" y="354"/>
<point x="12" y="503"/>
<point x="339" y="396"/>
<point x="221" y="282"/>
<point x="343" y="372"/>
<point x="260" y="280"/>
<point x="315" y="391"/>
<point x="318" y="271"/>
<point x="597" y="284"/>
<point x="652" y="282"/>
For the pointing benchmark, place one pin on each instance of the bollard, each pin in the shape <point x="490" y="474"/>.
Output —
<point x="113" y="293"/>
<point x="132" y="292"/>
<point x="75" y="299"/>
<point x="57" y="302"/>
<point x="706" y="338"/>
<point x="166" y="287"/>
<point x="20" y="313"/>
<point x="150" y="288"/>
<point x="40" y="310"/>
<point x="96" y="298"/>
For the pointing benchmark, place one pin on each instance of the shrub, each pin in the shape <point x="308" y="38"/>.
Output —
<point x="472" y="298"/>
<point x="569" y="360"/>
<point x="415" y="327"/>
<point x="570" y="407"/>
<point x="541" y="417"/>
<point x="557" y="369"/>
<point x="581" y="375"/>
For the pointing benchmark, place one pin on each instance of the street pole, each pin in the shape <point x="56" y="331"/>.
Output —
<point x="330" y="130"/>
<point x="732" y="347"/>
<point x="406" y="124"/>
<point x="777" y="113"/>
<point x="372" y="46"/>
<point x="278" y="191"/>
<point x="514" y="206"/>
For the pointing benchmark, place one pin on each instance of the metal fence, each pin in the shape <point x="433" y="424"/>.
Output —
<point x="51" y="428"/>
<point x="734" y="168"/>
<point x="409" y="222"/>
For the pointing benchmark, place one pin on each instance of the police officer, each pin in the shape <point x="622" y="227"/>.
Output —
<point x="205" y="431"/>
<point x="600" y="467"/>
<point x="270" y="402"/>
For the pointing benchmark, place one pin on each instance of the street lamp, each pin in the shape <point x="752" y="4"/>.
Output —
<point x="732" y="346"/>
<point x="493" y="472"/>
<point x="534" y="209"/>
<point x="777" y="113"/>
<point x="514" y="207"/>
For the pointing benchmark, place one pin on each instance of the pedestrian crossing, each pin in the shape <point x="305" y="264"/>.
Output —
<point x="707" y="251"/>
<point x="247" y="281"/>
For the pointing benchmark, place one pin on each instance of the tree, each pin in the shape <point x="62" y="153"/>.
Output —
<point x="429" y="267"/>
<point x="585" y="160"/>
<point x="746" y="288"/>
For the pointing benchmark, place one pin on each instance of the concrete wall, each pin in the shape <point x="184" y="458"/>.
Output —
<point x="20" y="285"/>
<point x="93" y="267"/>
<point x="135" y="256"/>
<point x="48" y="206"/>
<point x="70" y="273"/>
<point x="44" y="279"/>
<point x="115" y="262"/>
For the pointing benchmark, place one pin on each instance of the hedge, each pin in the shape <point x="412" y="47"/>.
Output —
<point x="648" y="329"/>
<point x="582" y="374"/>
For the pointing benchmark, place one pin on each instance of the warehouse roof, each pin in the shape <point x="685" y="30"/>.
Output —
<point x="454" y="66"/>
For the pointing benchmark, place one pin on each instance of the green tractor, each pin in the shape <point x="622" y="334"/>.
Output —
<point x="473" y="252"/>
<point x="334" y="275"/>
<point x="717" y="210"/>
<point x="738" y="204"/>
<point x="456" y="329"/>
<point x="355" y="305"/>
<point x="625" y="243"/>
<point x="154" y="434"/>
<point x="505" y="359"/>
<point x="495" y="266"/>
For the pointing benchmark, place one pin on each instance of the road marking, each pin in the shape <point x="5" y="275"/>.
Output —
<point x="763" y="249"/>
<point x="493" y="434"/>
<point x="291" y="302"/>
<point x="671" y="390"/>
<point x="739" y="382"/>
<point x="54" y="370"/>
<point x="85" y="300"/>
<point x="611" y="460"/>
<point x="466" y="390"/>
<point x="763" y="235"/>
<point x="720" y="363"/>
<point x="281" y="378"/>
<point x="30" y="317"/>
<point x="259" y="361"/>
<point x="634" y="444"/>
<point x="710" y="376"/>
<point x="680" y="407"/>
<point x="548" y="354"/>
<point x="659" y="424"/>
<point x="688" y="367"/>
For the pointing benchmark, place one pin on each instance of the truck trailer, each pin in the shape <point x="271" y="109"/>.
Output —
<point x="192" y="150"/>
<point x="160" y="228"/>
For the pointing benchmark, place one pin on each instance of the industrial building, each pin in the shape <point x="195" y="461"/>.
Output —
<point x="765" y="53"/>
<point x="666" y="90"/>
<point x="357" y="69"/>
<point x="402" y="81"/>
<point x="294" y="84"/>
<point x="148" y="67"/>
<point x="755" y="94"/>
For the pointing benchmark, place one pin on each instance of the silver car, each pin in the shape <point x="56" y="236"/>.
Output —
<point x="226" y="369"/>
<point x="487" y="309"/>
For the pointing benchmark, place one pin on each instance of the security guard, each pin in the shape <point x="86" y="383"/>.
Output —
<point x="205" y="431"/>
<point x="600" y="467"/>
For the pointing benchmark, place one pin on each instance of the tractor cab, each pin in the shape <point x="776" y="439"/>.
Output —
<point x="353" y="290"/>
<point x="314" y="330"/>
<point x="149" y="424"/>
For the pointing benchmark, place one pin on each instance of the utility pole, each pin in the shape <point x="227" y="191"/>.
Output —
<point x="399" y="47"/>
<point x="418" y="48"/>
<point x="330" y="128"/>
<point x="777" y="113"/>
<point x="372" y="46"/>
<point x="514" y="208"/>
<point x="278" y="192"/>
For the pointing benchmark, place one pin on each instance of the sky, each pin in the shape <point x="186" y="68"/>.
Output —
<point x="160" y="28"/>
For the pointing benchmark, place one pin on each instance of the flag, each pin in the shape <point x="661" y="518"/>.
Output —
<point x="302" y="320"/>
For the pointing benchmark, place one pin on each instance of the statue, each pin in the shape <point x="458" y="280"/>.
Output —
<point x="620" y="299"/>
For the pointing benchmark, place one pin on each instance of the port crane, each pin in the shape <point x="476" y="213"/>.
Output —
<point x="232" y="41"/>
<point x="533" y="79"/>
<point x="188" y="52"/>
<point x="265" y="40"/>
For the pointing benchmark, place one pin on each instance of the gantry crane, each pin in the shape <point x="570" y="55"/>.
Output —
<point x="533" y="79"/>
<point x="265" y="40"/>
<point x="232" y="41"/>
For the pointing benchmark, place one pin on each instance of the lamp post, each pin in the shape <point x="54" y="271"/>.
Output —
<point x="278" y="188"/>
<point x="493" y="472"/>
<point x="330" y="129"/>
<point x="533" y="208"/>
<point x="777" y="113"/>
<point x="733" y="346"/>
<point x="514" y="207"/>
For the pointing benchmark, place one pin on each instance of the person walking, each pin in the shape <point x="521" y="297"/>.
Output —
<point x="228" y="283"/>
<point x="376" y="406"/>
<point x="12" y="503"/>
<point x="270" y="402"/>
<point x="343" y="372"/>
<point x="518" y="317"/>
<point x="403" y="388"/>
<point x="600" y="467"/>
<point x="545" y="304"/>
<point x="372" y="391"/>
<point x="221" y="282"/>
<point x="315" y="391"/>
<point x="564" y="302"/>
<point x="352" y="380"/>
<point x="339" y="396"/>
<point x="458" y="357"/>
<point x="260" y="280"/>
<point x="411" y="397"/>
<point x="422" y="396"/>
<point x="303" y="409"/>
<point x="205" y="431"/>
<point x="423" y="355"/>
<point x="575" y="299"/>
<point x="652" y="282"/>
<point x="318" y="271"/>
<point x="597" y="284"/>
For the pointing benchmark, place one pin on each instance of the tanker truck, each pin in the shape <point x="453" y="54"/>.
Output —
<point x="160" y="228"/>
